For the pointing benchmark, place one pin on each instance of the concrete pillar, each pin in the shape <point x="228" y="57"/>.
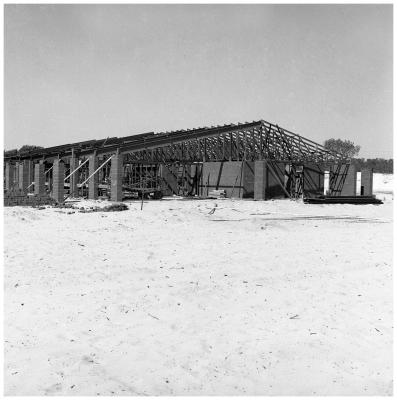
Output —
<point x="116" y="178"/>
<point x="350" y="184"/>
<point x="260" y="180"/>
<point x="16" y="175"/>
<point x="58" y="175"/>
<point x="39" y="179"/>
<point x="9" y="176"/>
<point x="366" y="182"/>
<point x="31" y="169"/>
<point x="18" y="168"/>
<point x="23" y="181"/>
<point x="93" y="181"/>
<point x="74" y="178"/>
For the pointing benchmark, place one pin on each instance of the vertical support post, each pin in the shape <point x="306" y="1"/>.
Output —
<point x="93" y="182"/>
<point x="366" y="188"/>
<point x="116" y="177"/>
<point x="58" y="174"/>
<point x="238" y="145"/>
<point x="39" y="179"/>
<point x="74" y="178"/>
<point x="198" y="149"/>
<point x="260" y="180"/>
<point x="9" y="176"/>
<point x="30" y="175"/>
<point x="16" y="174"/>
<point x="23" y="180"/>
<point x="231" y="146"/>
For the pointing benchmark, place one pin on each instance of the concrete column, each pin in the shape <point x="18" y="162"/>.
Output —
<point x="39" y="179"/>
<point x="23" y="181"/>
<point x="260" y="180"/>
<point x="58" y="172"/>
<point x="116" y="178"/>
<point x="31" y="169"/>
<point x="93" y="182"/>
<point x="74" y="178"/>
<point x="367" y="182"/>
<point x="9" y="176"/>
<point x="350" y="183"/>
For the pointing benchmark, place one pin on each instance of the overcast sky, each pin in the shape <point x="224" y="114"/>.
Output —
<point x="75" y="72"/>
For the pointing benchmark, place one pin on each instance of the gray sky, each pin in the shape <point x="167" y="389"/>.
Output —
<point x="78" y="72"/>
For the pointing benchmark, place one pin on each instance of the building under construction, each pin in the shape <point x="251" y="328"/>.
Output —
<point x="257" y="160"/>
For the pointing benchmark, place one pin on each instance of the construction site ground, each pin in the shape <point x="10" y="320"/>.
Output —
<point x="206" y="297"/>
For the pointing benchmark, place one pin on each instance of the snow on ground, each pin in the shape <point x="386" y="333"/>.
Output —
<point x="383" y="185"/>
<point x="199" y="297"/>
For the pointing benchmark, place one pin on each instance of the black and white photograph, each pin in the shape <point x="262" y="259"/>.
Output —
<point x="198" y="199"/>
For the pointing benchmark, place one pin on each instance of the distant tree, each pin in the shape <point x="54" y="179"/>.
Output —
<point x="344" y="147"/>
<point x="380" y="165"/>
<point x="28" y="147"/>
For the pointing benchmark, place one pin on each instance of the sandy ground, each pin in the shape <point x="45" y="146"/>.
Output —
<point x="199" y="298"/>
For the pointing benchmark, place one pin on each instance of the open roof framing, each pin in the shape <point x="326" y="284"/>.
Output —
<point x="250" y="141"/>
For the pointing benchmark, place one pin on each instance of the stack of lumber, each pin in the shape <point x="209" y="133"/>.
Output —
<point x="217" y="194"/>
<point x="342" y="200"/>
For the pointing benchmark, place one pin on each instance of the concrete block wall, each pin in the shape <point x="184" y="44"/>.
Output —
<point x="249" y="179"/>
<point x="313" y="176"/>
<point x="366" y="182"/>
<point x="58" y="190"/>
<point x="273" y="188"/>
<point x="17" y="197"/>
<point x="350" y="184"/>
<point x="235" y="177"/>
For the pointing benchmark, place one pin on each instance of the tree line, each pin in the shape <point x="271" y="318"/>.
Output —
<point x="350" y="150"/>
<point x="380" y="165"/>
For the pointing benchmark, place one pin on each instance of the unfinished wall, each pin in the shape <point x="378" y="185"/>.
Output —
<point x="275" y="174"/>
<point x="17" y="197"/>
<point x="350" y="182"/>
<point x="169" y="181"/>
<point x="342" y="180"/>
<point x="235" y="177"/>
<point x="313" y="176"/>
<point x="249" y="179"/>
